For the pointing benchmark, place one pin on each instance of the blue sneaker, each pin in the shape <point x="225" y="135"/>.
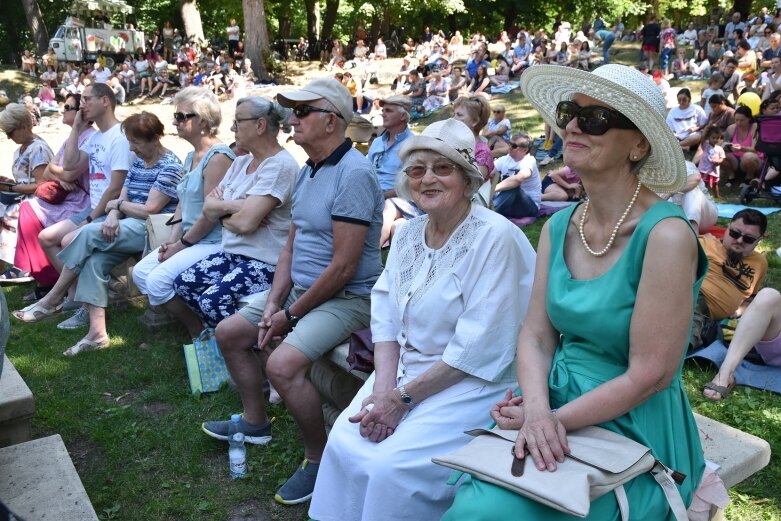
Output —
<point x="299" y="487"/>
<point x="254" y="434"/>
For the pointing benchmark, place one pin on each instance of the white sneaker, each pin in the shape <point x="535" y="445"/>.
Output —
<point x="548" y="160"/>
<point x="79" y="319"/>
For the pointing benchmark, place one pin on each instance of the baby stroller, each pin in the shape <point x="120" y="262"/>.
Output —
<point x="769" y="143"/>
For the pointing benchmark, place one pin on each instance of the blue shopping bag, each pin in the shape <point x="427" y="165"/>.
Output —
<point x="205" y="365"/>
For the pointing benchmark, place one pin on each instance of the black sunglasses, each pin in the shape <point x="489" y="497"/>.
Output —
<point x="67" y="108"/>
<point x="747" y="239"/>
<point x="181" y="116"/>
<point x="302" y="111"/>
<point x="515" y="145"/>
<point x="593" y="119"/>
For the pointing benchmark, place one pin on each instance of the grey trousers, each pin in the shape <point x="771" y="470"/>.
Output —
<point x="93" y="258"/>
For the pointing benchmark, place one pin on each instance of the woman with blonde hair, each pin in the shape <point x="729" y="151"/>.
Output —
<point x="27" y="167"/>
<point x="193" y="236"/>
<point x="609" y="272"/>
<point x="474" y="112"/>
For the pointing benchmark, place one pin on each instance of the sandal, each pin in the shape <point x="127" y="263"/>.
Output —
<point x="723" y="391"/>
<point x="36" y="312"/>
<point x="14" y="276"/>
<point x="86" y="344"/>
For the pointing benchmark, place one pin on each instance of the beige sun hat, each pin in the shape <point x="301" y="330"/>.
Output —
<point x="626" y="90"/>
<point x="449" y="138"/>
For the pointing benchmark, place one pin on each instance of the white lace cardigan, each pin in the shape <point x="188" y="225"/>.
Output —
<point x="463" y="303"/>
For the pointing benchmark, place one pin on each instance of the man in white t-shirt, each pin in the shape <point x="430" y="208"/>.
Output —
<point x="520" y="189"/>
<point x="108" y="154"/>
<point x="233" y="31"/>
<point x="101" y="73"/>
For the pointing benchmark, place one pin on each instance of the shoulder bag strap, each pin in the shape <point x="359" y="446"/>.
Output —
<point x="663" y="476"/>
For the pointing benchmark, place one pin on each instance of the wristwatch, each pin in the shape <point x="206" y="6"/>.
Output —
<point x="405" y="397"/>
<point x="292" y="320"/>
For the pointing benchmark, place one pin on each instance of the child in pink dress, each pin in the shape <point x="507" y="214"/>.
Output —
<point x="712" y="157"/>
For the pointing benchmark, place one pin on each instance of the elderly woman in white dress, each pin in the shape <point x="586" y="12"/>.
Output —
<point x="444" y="314"/>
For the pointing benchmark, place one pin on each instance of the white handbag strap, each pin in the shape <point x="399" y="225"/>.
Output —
<point x="663" y="476"/>
<point x="623" y="502"/>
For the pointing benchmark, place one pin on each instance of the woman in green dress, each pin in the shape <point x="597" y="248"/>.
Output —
<point x="611" y="308"/>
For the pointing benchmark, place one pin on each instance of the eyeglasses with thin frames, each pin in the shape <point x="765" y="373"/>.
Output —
<point x="747" y="239"/>
<point x="439" y="170"/>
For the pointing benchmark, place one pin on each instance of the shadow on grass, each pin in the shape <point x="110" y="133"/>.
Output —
<point x="16" y="84"/>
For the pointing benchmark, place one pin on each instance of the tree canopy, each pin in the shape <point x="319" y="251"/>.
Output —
<point x="341" y="18"/>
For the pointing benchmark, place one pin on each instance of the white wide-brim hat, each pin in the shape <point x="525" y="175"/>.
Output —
<point x="626" y="90"/>
<point x="449" y="138"/>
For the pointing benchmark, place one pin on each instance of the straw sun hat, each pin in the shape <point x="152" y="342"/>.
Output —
<point x="626" y="90"/>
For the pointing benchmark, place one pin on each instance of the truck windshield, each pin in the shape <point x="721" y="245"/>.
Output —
<point x="60" y="32"/>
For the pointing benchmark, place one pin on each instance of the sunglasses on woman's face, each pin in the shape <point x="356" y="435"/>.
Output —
<point x="593" y="119"/>
<point x="67" y="108"/>
<point x="181" y="117"/>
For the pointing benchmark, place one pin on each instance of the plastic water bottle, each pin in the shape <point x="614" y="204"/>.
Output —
<point x="237" y="453"/>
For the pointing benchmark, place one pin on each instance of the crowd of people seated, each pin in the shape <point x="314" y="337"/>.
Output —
<point x="143" y="74"/>
<point x="302" y="245"/>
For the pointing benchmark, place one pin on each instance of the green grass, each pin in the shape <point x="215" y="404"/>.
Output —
<point x="133" y="429"/>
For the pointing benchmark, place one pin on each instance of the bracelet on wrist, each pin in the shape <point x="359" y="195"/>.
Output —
<point x="89" y="219"/>
<point x="186" y="242"/>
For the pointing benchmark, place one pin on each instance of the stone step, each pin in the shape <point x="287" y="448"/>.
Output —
<point x="39" y="482"/>
<point x="17" y="406"/>
<point x="739" y="454"/>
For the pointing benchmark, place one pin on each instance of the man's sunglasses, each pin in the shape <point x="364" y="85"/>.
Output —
<point x="181" y="117"/>
<point x="516" y="145"/>
<point x="593" y="119"/>
<point x="302" y="111"/>
<point x="747" y="239"/>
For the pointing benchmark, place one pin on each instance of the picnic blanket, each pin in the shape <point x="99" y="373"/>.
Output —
<point x="727" y="211"/>
<point x="415" y="114"/>
<point x="506" y="88"/>
<point x="758" y="376"/>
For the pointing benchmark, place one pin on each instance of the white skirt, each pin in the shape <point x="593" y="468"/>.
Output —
<point x="395" y="479"/>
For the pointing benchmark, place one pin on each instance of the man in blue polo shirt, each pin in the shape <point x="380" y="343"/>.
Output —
<point x="384" y="151"/>
<point x="324" y="276"/>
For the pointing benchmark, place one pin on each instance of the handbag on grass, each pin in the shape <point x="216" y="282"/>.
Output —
<point x="158" y="229"/>
<point x="206" y="368"/>
<point x="600" y="461"/>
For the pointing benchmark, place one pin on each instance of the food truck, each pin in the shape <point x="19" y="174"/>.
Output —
<point x="86" y="33"/>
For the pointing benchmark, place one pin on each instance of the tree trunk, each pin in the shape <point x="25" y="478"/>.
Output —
<point x="313" y="27"/>
<point x="331" y="8"/>
<point x="14" y="45"/>
<point x="283" y="20"/>
<point x="34" y="20"/>
<point x="510" y="16"/>
<point x="743" y="7"/>
<point x="256" y="35"/>
<point x="191" y="19"/>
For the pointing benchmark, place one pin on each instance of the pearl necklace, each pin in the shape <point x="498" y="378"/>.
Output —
<point x="615" y="229"/>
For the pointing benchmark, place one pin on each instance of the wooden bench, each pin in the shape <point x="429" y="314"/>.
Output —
<point x="16" y="406"/>
<point x="738" y="454"/>
<point x="39" y="482"/>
